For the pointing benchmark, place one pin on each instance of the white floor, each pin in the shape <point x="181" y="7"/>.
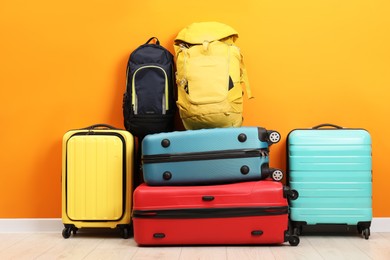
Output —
<point x="42" y="239"/>
<point x="109" y="245"/>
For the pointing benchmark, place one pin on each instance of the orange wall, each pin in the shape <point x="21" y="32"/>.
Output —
<point x="63" y="67"/>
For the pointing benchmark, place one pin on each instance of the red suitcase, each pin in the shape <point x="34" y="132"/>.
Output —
<point x="240" y="213"/>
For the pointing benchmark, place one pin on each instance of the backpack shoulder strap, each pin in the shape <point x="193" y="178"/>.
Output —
<point x="244" y="78"/>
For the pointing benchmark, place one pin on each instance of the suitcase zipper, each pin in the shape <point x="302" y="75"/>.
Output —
<point x="198" y="156"/>
<point x="211" y="212"/>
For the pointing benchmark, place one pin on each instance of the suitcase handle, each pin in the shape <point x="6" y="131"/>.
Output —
<point x="208" y="198"/>
<point x="104" y="126"/>
<point x="327" y="125"/>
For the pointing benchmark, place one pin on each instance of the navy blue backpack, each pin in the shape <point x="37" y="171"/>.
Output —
<point x="149" y="102"/>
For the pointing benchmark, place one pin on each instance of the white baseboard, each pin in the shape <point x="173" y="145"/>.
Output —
<point x="43" y="225"/>
<point x="380" y="225"/>
<point x="30" y="225"/>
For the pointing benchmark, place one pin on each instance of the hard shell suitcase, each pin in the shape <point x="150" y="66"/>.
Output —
<point x="330" y="167"/>
<point x="240" y="213"/>
<point x="208" y="156"/>
<point x="97" y="179"/>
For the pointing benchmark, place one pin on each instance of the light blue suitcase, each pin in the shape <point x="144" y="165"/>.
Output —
<point x="208" y="156"/>
<point x="331" y="168"/>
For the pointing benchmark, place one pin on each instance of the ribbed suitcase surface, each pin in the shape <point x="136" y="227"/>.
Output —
<point x="331" y="170"/>
<point x="208" y="156"/>
<point x="240" y="213"/>
<point x="96" y="179"/>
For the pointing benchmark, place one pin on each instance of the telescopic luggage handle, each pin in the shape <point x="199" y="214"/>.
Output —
<point x="326" y="125"/>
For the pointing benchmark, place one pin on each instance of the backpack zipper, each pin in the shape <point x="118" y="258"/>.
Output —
<point x="134" y="94"/>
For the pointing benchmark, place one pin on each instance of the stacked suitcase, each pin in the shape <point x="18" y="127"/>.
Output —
<point x="211" y="186"/>
<point x="215" y="186"/>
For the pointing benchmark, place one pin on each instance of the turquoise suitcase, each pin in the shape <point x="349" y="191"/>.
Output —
<point x="331" y="168"/>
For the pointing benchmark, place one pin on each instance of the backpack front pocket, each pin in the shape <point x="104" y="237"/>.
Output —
<point x="207" y="78"/>
<point x="150" y="91"/>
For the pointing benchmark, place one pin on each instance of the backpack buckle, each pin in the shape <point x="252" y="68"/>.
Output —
<point x="205" y="45"/>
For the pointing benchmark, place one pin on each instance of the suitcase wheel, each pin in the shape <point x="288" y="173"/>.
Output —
<point x="294" y="240"/>
<point x="293" y="195"/>
<point x="290" y="194"/>
<point x="366" y="233"/>
<point x="67" y="231"/>
<point x="125" y="232"/>
<point x="273" y="137"/>
<point x="277" y="175"/>
<point x="364" y="229"/>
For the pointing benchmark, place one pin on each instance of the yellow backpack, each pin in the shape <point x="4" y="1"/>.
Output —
<point x="210" y="73"/>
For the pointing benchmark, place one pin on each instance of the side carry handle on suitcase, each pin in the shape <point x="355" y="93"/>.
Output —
<point x="327" y="125"/>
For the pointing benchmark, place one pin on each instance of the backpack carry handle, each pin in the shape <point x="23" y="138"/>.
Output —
<point x="327" y="125"/>
<point x="156" y="42"/>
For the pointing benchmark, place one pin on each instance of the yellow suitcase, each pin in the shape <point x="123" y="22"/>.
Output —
<point x="97" y="164"/>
